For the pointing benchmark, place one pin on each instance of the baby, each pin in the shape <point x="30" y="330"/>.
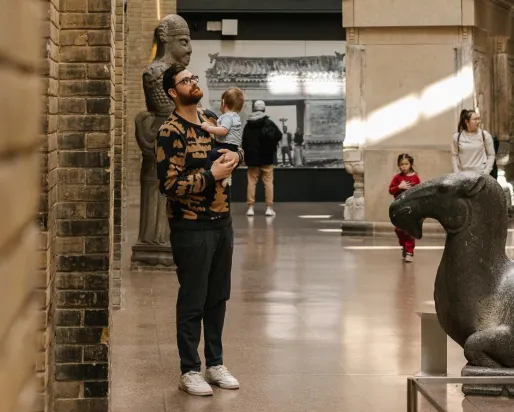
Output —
<point x="228" y="132"/>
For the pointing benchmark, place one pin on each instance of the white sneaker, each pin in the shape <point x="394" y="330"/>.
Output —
<point x="220" y="376"/>
<point x="250" y="211"/>
<point x="194" y="384"/>
<point x="409" y="257"/>
<point x="270" y="212"/>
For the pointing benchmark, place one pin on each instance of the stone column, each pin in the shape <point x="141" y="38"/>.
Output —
<point x="411" y="69"/>
<point x="20" y="184"/>
<point x="355" y="111"/>
<point x="504" y="111"/>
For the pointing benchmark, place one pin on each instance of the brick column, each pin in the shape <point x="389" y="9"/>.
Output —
<point x="46" y="275"/>
<point x="80" y="184"/>
<point x="20" y="184"/>
<point x="117" y="155"/>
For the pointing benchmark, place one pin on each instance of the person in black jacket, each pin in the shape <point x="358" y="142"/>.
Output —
<point x="260" y="140"/>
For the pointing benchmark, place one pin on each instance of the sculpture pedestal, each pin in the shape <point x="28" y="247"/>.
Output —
<point x="490" y="390"/>
<point x="151" y="257"/>
<point x="433" y="342"/>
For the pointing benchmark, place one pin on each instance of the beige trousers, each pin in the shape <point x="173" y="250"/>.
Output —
<point x="266" y="174"/>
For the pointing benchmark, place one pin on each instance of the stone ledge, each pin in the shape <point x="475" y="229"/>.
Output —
<point x="152" y="257"/>
<point x="369" y="228"/>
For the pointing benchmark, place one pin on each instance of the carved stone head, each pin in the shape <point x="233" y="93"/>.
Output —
<point x="173" y="31"/>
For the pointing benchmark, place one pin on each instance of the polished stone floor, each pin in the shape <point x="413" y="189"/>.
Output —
<point x="316" y="322"/>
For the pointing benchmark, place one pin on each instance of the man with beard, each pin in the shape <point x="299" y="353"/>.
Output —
<point x="202" y="238"/>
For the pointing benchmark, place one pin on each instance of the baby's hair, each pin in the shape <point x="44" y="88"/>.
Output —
<point x="234" y="99"/>
<point x="409" y="158"/>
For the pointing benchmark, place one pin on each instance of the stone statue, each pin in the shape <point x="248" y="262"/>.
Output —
<point x="474" y="287"/>
<point x="172" y="44"/>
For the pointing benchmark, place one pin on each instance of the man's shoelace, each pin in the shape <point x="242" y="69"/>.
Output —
<point x="222" y="370"/>
<point x="195" y="378"/>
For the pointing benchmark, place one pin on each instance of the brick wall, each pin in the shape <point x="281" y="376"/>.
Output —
<point x="79" y="182"/>
<point x="142" y="19"/>
<point x="46" y="276"/>
<point x="20" y="183"/>
<point x="116" y="154"/>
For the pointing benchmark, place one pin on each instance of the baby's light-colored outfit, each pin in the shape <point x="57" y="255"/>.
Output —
<point x="232" y="122"/>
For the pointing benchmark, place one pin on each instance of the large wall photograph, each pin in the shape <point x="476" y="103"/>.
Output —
<point x="303" y="84"/>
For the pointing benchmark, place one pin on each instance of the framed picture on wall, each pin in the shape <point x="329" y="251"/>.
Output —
<point x="303" y="84"/>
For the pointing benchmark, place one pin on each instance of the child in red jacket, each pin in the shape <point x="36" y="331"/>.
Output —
<point x="401" y="182"/>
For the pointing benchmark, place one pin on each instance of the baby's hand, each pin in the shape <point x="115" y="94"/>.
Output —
<point x="205" y="126"/>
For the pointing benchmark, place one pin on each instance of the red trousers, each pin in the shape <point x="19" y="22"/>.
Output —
<point x="406" y="242"/>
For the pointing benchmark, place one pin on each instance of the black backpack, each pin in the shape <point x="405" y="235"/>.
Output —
<point x="496" y="143"/>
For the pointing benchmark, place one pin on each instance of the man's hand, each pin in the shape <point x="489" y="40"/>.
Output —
<point x="205" y="126"/>
<point x="229" y="156"/>
<point x="222" y="167"/>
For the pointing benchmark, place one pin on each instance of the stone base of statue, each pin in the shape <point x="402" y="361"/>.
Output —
<point x="487" y="390"/>
<point x="152" y="257"/>
<point x="152" y="250"/>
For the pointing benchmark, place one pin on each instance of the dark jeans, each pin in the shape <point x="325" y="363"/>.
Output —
<point x="286" y="151"/>
<point x="204" y="264"/>
<point x="215" y="155"/>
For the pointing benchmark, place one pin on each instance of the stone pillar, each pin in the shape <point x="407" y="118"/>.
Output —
<point x="355" y="111"/>
<point x="20" y="185"/>
<point x="80" y="191"/>
<point x="410" y="102"/>
<point x="503" y="99"/>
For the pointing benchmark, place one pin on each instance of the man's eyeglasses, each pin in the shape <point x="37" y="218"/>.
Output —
<point x="188" y="80"/>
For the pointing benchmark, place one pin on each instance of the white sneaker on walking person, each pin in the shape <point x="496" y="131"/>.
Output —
<point x="250" y="211"/>
<point x="270" y="212"/>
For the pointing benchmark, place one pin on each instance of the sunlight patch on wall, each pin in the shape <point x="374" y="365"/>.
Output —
<point x="408" y="111"/>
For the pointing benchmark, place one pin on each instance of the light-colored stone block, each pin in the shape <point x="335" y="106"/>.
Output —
<point x="434" y="342"/>
<point x="408" y="13"/>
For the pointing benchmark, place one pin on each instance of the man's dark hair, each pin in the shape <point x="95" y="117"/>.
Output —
<point x="168" y="78"/>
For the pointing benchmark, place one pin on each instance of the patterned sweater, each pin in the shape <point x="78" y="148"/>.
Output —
<point x="195" y="201"/>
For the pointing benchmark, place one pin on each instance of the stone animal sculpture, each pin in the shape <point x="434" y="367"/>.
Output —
<point x="474" y="287"/>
